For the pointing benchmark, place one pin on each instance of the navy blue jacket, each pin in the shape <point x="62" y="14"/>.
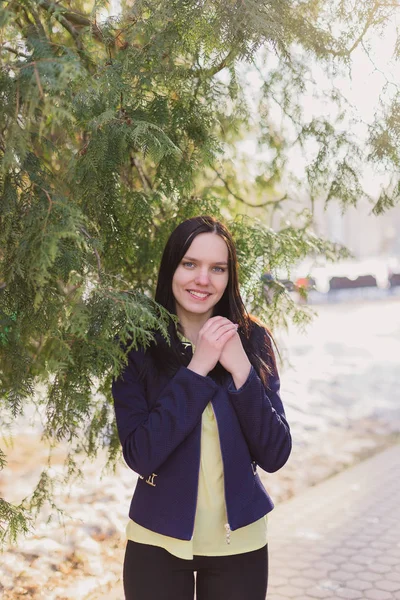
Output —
<point x="159" y="426"/>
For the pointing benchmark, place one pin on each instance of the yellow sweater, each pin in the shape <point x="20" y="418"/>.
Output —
<point x="210" y="536"/>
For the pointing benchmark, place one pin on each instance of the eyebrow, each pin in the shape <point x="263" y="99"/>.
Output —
<point x="197" y="260"/>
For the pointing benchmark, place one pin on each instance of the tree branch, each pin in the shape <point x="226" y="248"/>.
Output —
<point x="146" y="182"/>
<point x="16" y="52"/>
<point x="95" y="251"/>
<point x="214" y="70"/>
<point x="237" y="197"/>
<point x="37" y="77"/>
<point x="377" y="69"/>
<point x="73" y="19"/>
<point x="66" y="24"/>
<point x="38" y="22"/>
<point x="364" y="31"/>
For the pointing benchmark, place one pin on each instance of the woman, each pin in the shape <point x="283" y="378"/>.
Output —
<point x="195" y="419"/>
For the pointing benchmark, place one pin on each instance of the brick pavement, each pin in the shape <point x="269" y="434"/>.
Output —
<point x="340" y="539"/>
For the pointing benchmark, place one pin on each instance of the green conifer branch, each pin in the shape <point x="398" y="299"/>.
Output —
<point x="109" y="137"/>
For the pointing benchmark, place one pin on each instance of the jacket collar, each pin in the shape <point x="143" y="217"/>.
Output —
<point x="185" y="342"/>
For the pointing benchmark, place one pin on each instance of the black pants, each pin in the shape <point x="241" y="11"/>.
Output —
<point x="152" y="573"/>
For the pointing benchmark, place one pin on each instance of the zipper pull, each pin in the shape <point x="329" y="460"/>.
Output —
<point x="227" y="533"/>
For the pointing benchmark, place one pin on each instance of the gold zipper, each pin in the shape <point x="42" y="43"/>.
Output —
<point x="227" y="533"/>
<point x="227" y="527"/>
<point x="198" y="476"/>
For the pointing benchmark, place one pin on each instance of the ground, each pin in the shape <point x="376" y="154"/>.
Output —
<point x="339" y="392"/>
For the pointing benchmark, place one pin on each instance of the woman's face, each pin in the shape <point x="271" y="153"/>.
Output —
<point x="201" y="277"/>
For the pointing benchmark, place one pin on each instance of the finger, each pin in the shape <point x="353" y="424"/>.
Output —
<point x="216" y="335"/>
<point x="213" y="322"/>
<point x="223" y="329"/>
<point x="226" y="337"/>
<point x="213" y="338"/>
<point x="208" y="324"/>
<point x="213" y="327"/>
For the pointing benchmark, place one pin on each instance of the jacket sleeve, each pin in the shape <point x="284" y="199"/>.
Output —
<point x="148" y="437"/>
<point x="262" y="418"/>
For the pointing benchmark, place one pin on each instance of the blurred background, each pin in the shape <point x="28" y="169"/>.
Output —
<point x="340" y="381"/>
<point x="340" y="372"/>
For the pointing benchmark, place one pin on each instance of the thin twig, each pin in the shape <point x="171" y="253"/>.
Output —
<point x="17" y="100"/>
<point x="36" y="62"/>
<point x="49" y="198"/>
<point x="94" y="250"/>
<point x="146" y="181"/>
<point x="214" y="70"/>
<point x="16" y="52"/>
<point x="38" y="22"/>
<point x="359" y="39"/>
<point x="38" y="80"/>
<point x="74" y="19"/>
<point x="367" y="52"/>
<point x="49" y="208"/>
<point x="237" y="197"/>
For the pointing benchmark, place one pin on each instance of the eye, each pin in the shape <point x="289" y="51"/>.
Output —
<point x="189" y="265"/>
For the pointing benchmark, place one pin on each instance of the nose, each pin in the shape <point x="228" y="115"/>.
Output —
<point x="202" y="277"/>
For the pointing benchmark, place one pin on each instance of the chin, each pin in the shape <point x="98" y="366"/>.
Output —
<point x="198" y="310"/>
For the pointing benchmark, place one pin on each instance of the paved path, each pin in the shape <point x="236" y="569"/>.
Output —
<point x="340" y="539"/>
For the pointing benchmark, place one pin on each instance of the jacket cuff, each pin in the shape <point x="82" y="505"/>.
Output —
<point x="232" y="389"/>
<point x="200" y="378"/>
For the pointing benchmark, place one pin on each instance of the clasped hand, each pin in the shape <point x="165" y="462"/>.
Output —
<point x="218" y="340"/>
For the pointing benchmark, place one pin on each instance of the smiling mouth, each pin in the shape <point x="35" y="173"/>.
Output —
<point x="199" y="295"/>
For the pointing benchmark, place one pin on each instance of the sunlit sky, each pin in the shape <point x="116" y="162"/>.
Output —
<point x="362" y="85"/>
<point x="369" y="78"/>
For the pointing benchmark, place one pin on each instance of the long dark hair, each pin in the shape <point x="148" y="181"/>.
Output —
<point x="253" y="335"/>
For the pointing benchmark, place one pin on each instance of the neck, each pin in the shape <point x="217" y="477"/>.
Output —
<point x="191" y="324"/>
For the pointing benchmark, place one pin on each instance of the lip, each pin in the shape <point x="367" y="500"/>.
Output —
<point x="199" y="292"/>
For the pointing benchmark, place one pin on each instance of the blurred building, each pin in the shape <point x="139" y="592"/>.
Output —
<point x="359" y="230"/>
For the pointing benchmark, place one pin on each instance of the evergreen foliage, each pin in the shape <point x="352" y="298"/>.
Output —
<point x="114" y="130"/>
